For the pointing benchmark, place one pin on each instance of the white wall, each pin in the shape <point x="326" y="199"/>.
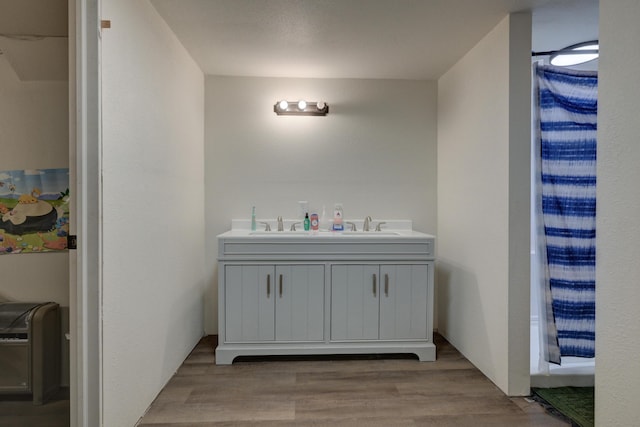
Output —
<point x="152" y="208"/>
<point x="375" y="152"/>
<point x="34" y="132"/>
<point x="483" y="204"/>
<point x="617" y="377"/>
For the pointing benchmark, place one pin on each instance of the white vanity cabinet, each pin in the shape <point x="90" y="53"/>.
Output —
<point x="325" y="293"/>
<point x="380" y="302"/>
<point x="274" y="303"/>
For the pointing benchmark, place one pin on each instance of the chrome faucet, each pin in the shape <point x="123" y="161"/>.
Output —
<point x="367" y="221"/>
<point x="280" y="225"/>
<point x="378" y="226"/>
<point x="293" y="226"/>
<point x="267" y="227"/>
<point x="353" y="226"/>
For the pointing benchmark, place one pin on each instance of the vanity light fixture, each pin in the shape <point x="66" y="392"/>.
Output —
<point x="301" y="108"/>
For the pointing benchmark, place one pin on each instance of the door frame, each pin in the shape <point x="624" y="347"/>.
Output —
<point x="85" y="209"/>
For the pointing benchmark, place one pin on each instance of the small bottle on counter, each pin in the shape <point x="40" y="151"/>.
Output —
<point x="322" y="221"/>
<point x="306" y="222"/>
<point x="337" y="217"/>
<point x="253" y="219"/>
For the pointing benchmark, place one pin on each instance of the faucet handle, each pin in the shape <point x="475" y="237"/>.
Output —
<point x="293" y="226"/>
<point x="353" y="226"/>
<point x="267" y="226"/>
<point x="379" y="224"/>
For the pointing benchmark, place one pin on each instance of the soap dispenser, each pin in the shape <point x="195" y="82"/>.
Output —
<point x="307" y="222"/>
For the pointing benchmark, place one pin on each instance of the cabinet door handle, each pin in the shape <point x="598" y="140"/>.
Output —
<point x="268" y="285"/>
<point x="281" y="286"/>
<point x="386" y="285"/>
<point x="374" y="285"/>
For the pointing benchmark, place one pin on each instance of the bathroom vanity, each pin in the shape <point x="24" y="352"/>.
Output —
<point x="313" y="293"/>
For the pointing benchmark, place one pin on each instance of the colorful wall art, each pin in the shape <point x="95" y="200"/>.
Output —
<point x="34" y="209"/>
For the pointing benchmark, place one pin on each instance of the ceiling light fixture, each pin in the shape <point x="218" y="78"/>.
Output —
<point x="576" y="54"/>
<point x="301" y="108"/>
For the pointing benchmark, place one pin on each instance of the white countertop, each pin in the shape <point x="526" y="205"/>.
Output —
<point x="390" y="230"/>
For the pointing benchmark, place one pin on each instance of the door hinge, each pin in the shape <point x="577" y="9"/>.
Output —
<point x="72" y="241"/>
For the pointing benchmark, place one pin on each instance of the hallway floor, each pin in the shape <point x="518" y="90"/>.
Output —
<point x="21" y="412"/>
<point x="340" y="391"/>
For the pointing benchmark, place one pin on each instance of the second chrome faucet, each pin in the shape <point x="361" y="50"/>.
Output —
<point x="367" y="223"/>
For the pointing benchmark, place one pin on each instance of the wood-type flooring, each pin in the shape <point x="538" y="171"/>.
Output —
<point x="370" y="391"/>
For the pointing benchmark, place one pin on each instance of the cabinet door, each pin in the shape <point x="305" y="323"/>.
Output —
<point x="403" y="301"/>
<point x="354" y="302"/>
<point x="299" y="302"/>
<point x="249" y="303"/>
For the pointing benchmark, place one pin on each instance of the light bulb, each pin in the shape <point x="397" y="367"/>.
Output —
<point x="320" y="105"/>
<point x="284" y="105"/>
<point x="302" y="104"/>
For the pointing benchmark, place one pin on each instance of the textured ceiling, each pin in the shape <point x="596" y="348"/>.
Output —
<point x="34" y="17"/>
<point x="403" y="39"/>
<point x="33" y="38"/>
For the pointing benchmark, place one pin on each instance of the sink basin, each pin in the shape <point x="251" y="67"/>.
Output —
<point x="279" y="233"/>
<point x="325" y="233"/>
<point x="370" y="233"/>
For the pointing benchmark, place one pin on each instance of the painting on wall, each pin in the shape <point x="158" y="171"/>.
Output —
<point x="34" y="205"/>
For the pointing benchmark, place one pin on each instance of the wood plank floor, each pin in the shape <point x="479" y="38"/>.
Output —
<point x="341" y="391"/>
<point x="371" y="391"/>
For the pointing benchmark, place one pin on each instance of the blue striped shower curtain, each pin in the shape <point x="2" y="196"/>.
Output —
<point x="567" y="139"/>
